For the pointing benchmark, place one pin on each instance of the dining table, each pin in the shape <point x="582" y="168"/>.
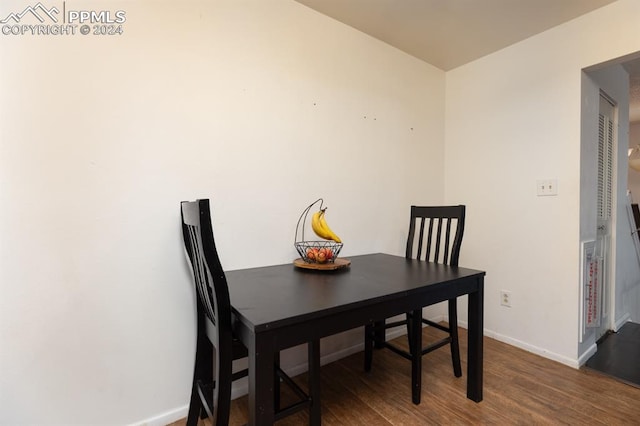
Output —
<point x="282" y="306"/>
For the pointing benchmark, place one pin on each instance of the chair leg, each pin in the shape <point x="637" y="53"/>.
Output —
<point x="415" y="330"/>
<point x="374" y="337"/>
<point x="222" y="393"/>
<point x="203" y="371"/>
<point x="410" y="324"/>
<point x="453" y="331"/>
<point x="314" y="383"/>
<point x="379" y="334"/>
<point x="194" y="406"/>
<point x="276" y="383"/>
<point x="368" y="347"/>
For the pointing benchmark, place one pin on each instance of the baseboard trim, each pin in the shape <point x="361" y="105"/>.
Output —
<point x="165" y="418"/>
<point x="625" y="318"/>
<point x="533" y="349"/>
<point x="587" y="354"/>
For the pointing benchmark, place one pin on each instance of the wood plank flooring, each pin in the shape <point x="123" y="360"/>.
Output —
<point x="519" y="388"/>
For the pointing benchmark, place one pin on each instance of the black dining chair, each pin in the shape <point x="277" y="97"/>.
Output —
<point x="437" y="239"/>
<point x="217" y="346"/>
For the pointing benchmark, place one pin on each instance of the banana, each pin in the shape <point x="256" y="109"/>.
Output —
<point x="317" y="226"/>
<point x="329" y="232"/>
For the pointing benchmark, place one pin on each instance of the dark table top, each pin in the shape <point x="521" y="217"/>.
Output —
<point x="275" y="296"/>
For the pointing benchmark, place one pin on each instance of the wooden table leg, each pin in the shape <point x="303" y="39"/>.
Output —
<point x="475" y="347"/>
<point x="261" y="381"/>
<point x="315" y="418"/>
<point x="415" y="331"/>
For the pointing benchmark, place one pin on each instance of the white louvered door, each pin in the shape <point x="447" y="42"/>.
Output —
<point x="606" y="137"/>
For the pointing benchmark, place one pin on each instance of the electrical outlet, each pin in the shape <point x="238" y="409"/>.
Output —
<point x="547" y="187"/>
<point x="505" y="298"/>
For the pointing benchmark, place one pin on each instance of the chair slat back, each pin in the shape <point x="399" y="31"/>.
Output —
<point x="212" y="297"/>
<point x="439" y="233"/>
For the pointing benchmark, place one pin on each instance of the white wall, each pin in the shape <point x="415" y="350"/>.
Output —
<point x="511" y="118"/>
<point x="261" y="106"/>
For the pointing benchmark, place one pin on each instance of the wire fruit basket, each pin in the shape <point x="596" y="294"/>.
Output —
<point x="319" y="251"/>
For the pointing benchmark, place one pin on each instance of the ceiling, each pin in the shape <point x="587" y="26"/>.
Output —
<point x="451" y="33"/>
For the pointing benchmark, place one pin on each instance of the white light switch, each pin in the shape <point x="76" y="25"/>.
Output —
<point x="547" y="187"/>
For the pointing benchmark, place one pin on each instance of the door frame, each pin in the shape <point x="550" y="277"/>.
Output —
<point x="607" y="316"/>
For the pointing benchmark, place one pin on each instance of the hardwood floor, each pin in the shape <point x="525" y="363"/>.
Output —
<point x="519" y="388"/>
